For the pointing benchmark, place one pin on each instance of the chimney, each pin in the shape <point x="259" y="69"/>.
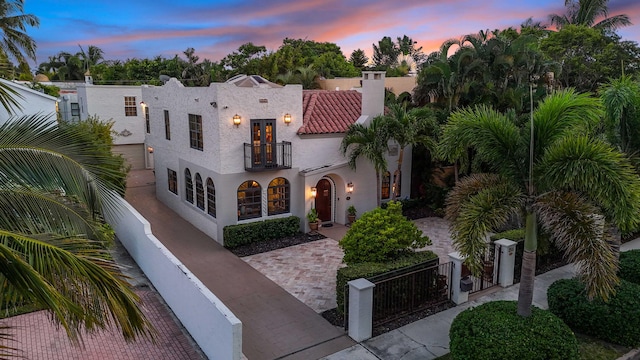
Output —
<point x="373" y="93"/>
<point x="87" y="78"/>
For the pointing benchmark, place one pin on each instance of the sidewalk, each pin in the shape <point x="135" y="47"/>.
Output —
<point x="429" y="338"/>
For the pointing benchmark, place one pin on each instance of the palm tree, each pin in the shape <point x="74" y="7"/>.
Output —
<point x="53" y="191"/>
<point x="409" y="128"/>
<point x="572" y="180"/>
<point x="14" y="41"/>
<point x="621" y="99"/>
<point x="369" y="142"/>
<point x="587" y="12"/>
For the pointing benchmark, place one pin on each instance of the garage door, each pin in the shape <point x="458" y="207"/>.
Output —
<point x="133" y="154"/>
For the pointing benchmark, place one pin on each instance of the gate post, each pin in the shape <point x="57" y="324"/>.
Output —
<point x="457" y="295"/>
<point x="507" y="261"/>
<point x="360" y="309"/>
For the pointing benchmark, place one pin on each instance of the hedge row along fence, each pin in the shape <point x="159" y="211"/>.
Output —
<point x="243" y="234"/>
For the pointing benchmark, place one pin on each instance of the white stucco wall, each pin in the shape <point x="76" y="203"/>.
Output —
<point x="107" y="102"/>
<point x="212" y="325"/>
<point x="32" y="102"/>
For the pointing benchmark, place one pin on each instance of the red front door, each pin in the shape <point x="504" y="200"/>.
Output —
<point x="323" y="200"/>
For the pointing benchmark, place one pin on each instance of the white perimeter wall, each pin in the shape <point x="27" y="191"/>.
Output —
<point x="212" y="325"/>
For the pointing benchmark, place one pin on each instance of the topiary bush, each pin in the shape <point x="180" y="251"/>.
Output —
<point x="494" y="330"/>
<point x="630" y="266"/>
<point x="381" y="235"/>
<point x="616" y="321"/>
<point x="242" y="234"/>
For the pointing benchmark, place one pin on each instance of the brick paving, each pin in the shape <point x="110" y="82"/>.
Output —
<point x="308" y="271"/>
<point x="39" y="339"/>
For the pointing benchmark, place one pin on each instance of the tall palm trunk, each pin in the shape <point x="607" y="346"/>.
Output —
<point x="528" y="273"/>
<point x="378" y="189"/>
<point x="614" y="239"/>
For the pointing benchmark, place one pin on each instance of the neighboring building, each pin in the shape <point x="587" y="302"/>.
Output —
<point x="396" y="85"/>
<point x="31" y="102"/>
<point x="249" y="150"/>
<point x="120" y="104"/>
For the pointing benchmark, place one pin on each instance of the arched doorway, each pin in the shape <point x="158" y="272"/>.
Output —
<point x="324" y="200"/>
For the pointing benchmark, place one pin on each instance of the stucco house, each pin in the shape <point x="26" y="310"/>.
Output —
<point x="120" y="103"/>
<point x="31" y="102"/>
<point x="249" y="150"/>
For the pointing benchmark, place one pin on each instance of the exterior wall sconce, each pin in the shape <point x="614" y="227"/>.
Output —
<point x="350" y="187"/>
<point x="314" y="192"/>
<point x="142" y="104"/>
<point x="150" y="150"/>
<point x="287" y="119"/>
<point x="236" y="120"/>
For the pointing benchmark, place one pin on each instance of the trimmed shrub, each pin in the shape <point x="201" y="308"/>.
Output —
<point x="381" y="235"/>
<point x="242" y="234"/>
<point x="369" y="270"/>
<point x="494" y="330"/>
<point x="513" y="235"/>
<point x="616" y="321"/>
<point x="630" y="266"/>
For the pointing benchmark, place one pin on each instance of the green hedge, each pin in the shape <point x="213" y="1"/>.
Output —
<point x="242" y="234"/>
<point x="630" y="266"/>
<point x="616" y="321"/>
<point x="368" y="270"/>
<point x="513" y="235"/>
<point x="494" y="330"/>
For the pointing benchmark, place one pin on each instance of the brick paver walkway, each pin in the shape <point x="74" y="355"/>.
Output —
<point x="308" y="271"/>
<point x="39" y="339"/>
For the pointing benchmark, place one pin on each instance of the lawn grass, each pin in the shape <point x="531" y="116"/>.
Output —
<point x="590" y="349"/>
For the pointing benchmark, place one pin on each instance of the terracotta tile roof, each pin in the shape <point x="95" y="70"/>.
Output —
<point x="329" y="112"/>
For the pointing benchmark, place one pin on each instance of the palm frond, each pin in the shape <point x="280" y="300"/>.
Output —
<point x="578" y="230"/>
<point x="494" y="137"/>
<point x="562" y="113"/>
<point x="35" y="153"/>
<point x="35" y="212"/>
<point x="595" y="169"/>
<point x="480" y="204"/>
<point x="93" y="292"/>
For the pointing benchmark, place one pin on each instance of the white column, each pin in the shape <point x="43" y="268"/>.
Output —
<point x="360" y="309"/>
<point x="507" y="261"/>
<point x="457" y="296"/>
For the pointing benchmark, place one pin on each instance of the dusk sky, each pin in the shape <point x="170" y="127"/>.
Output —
<point x="145" y="28"/>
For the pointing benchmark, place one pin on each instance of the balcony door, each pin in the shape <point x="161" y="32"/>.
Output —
<point x="263" y="140"/>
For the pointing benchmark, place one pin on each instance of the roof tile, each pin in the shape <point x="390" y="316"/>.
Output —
<point x="329" y="112"/>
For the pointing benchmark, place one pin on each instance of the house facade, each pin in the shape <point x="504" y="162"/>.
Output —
<point x="121" y="104"/>
<point x="250" y="150"/>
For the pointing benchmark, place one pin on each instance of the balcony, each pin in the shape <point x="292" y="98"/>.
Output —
<point x="267" y="157"/>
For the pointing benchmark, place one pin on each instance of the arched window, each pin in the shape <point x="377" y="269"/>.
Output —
<point x="385" y="189"/>
<point x="199" y="192"/>
<point x="211" y="198"/>
<point x="188" y="185"/>
<point x="278" y="196"/>
<point x="249" y="200"/>
<point x="396" y="184"/>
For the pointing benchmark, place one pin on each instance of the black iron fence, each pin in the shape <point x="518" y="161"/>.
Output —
<point x="488" y="276"/>
<point x="400" y="293"/>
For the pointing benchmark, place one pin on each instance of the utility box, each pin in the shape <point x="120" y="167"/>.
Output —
<point x="466" y="284"/>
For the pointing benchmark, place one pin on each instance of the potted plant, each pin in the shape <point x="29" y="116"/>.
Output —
<point x="351" y="214"/>
<point x="312" y="217"/>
